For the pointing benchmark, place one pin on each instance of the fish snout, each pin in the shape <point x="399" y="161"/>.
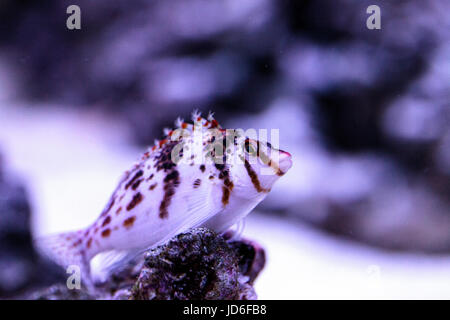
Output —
<point x="285" y="161"/>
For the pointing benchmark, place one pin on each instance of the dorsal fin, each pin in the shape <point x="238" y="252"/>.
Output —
<point x="180" y="124"/>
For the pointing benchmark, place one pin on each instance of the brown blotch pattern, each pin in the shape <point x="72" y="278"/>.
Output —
<point x="202" y="168"/>
<point x="171" y="181"/>
<point x="118" y="210"/>
<point x="137" y="198"/>
<point x="77" y="243"/>
<point x="153" y="186"/>
<point x="197" y="183"/>
<point x="89" y="243"/>
<point x="128" y="223"/>
<point x="136" y="184"/>
<point x="106" y="221"/>
<point x="225" y="195"/>
<point x="254" y="177"/>
<point x="163" y="160"/>
<point x="227" y="183"/>
<point x="135" y="177"/>
<point x="106" y="233"/>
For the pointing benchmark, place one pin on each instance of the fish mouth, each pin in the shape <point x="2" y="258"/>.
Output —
<point x="285" y="162"/>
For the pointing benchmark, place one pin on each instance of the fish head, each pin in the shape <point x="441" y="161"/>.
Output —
<point x="256" y="166"/>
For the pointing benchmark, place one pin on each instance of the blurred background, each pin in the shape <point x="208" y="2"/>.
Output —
<point x="364" y="211"/>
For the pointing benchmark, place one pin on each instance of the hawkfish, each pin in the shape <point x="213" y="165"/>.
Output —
<point x="198" y="175"/>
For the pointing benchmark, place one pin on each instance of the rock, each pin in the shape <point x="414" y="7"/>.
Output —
<point x="252" y="258"/>
<point x="199" y="265"/>
<point x="60" y="292"/>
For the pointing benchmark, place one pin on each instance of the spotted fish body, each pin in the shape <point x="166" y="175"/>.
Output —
<point x="198" y="175"/>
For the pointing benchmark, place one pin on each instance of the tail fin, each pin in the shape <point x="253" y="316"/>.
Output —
<point x="65" y="249"/>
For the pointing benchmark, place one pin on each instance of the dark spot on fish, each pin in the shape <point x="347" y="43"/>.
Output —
<point x="254" y="177"/>
<point x="172" y="177"/>
<point x="197" y="183"/>
<point x="202" y="168"/>
<point x="106" y="233"/>
<point x="211" y="177"/>
<point x="151" y="177"/>
<point x="89" y="242"/>
<point x="106" y="221"/>
<point x="76" y="243"/>
<point x="119" y="210"/>
<point x="163" y="160"/>
<point x="153" y="186"/>
<point x="135" y="177"/>
<point x="225" y="195"/>
<point x="223" y="174"/>
<point x="171" y="181"/>
<point x="228" y="184"/>
<point x="137" y="198"/>
<point x="136" y="184"/>
<point x="128" y="223"/>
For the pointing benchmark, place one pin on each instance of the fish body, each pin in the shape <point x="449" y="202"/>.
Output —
<point x="199" y="175"/>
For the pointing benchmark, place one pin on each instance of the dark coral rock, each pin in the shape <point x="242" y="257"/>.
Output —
<point x="60" y="292"/>
<point x="197" y="265"/>
<point x="252" y="258"/>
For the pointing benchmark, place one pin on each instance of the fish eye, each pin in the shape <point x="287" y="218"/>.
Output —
<point x="249" y="148"/>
